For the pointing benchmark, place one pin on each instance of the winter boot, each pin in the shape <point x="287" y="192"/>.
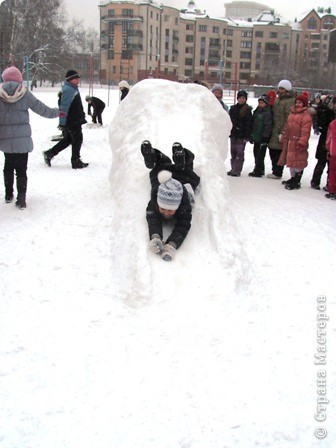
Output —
<point x="331" y="196"/>
<point x="179" y="156"/>
<point x="294" y="183"/>
<point x="315" y="186"/>
<point x="148" y="153"/>
<point x="21" y="185"/>
<point x="78" y="164"/>
<point x="9" y="182"/>
<point x="288" y="181"/>
<point x="48" y="157"/>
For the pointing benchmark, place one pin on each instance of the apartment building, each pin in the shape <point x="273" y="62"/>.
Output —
<point x="141" y="39"/>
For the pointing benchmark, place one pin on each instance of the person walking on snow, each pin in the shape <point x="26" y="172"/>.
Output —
<point x="98" y="107"/>
<point x="295" y="137"/>
<point x="281" y="109"/>
<point x="241" y="118"/>
<point x="15" y="131"/>
<point x="72" y="117"/>
<point x="172" y="195"/>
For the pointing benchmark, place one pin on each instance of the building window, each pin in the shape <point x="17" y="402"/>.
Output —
<point x="229" y="43"/>
<point x="188" y="73"/>
<point x="315" y="36"/>
<point x="188" y="61"/>
<point x="126" y="54"/>
<point x="189" y="27"/>
<point x="229" y="53"/>
<point x="312" y="24"/>
<point x="246" y="44"/>
<point x="127" y="26"/>
<point x="166" y="58"/>
<point x="246" y="34"/>
<point x="245" y="65"/>
<point x="111" y="28"/>
<point x="285" y="35"/>
<point x="245" y="55"/>
<point x="202" y="42"/>
<point x="111" y="54"/>
<point x="202" y="28"/>
<point x="272" y="47"/>
<point x="189" y="38"/>
<point x="230" y="32"/>
<point x="111" y="12"/>
<point x="259" y="34"/>
<point x="127" y="12"/>
<point x="215" y="29"/>
<point x="151" y="14"/>
<point x="244" y="75"/>
<point x="273" y="35"/>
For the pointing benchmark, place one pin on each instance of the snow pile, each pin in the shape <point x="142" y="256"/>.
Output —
<point x="164" y="112"/>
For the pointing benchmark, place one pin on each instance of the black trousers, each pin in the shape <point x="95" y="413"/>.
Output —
<point x="185" y="176"/>
<point x="73" y="137"/>
<point x="318" y="171"/>
<point x="274" y="155"/>
<point x="97" y="115"/>
<point x="16" y="163"/>
<point x="259" y="152"/>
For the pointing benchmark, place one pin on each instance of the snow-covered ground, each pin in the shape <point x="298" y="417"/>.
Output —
<point x="105" y="345"/>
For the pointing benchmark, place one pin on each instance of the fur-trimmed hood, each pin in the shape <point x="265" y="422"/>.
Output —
<point x="11" y="92"/>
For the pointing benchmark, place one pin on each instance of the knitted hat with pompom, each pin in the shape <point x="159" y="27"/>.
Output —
<point x="170" y="191"/>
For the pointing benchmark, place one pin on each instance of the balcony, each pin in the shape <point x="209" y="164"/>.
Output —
<point x="119" y="20"/>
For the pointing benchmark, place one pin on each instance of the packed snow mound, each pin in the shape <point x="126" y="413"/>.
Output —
<point x="165" y="112"/>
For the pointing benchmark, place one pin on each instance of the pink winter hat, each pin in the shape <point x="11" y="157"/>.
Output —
<point x="12" y="74"/>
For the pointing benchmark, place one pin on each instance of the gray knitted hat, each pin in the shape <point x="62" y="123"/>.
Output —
<point x="170" y="191"/>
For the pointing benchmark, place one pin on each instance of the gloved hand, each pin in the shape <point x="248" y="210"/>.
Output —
<point x="280" y="137"/>
<point x="168" y="252"/>
<point x="156" y="244"/>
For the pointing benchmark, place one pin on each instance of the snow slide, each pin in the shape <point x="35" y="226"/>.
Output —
<point x="165" y="112"/>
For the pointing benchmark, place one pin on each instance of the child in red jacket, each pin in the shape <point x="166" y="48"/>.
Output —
<point x="331" y="148"/>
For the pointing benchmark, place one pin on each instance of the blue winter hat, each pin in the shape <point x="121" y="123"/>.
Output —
<point x="170" y="191"/>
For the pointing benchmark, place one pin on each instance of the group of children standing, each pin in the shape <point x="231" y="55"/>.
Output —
<point x="282" y="122"/>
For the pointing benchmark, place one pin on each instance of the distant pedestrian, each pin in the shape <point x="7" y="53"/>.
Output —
<point x="295" y="138"/>
<point x="281" y="109"/>
<point x="217" y="90"/>
<point x="98" y="107"/>
<point x="241" y="132"/>
<point x="325" y="113"/>
<point x="261" y="133"/>
<point x="124" y="88"/>
<point x="72" y="117"/>
<point x="15" y="131"/>
<point x="331" y="147"/>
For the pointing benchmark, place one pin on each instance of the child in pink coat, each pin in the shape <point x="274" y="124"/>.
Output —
<point x="331" y="148"/>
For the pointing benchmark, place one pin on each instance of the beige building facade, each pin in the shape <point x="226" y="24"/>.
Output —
<point x="142" y="39"/>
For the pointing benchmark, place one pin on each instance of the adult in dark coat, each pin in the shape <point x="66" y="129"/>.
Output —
<point x="324" y="116"/>
<point x="72" y="117"/>
<point x="97" y="108"/>
<point x="172" y="193"/>
<point x="15" y="131"/>
<point x="241" y="118"/>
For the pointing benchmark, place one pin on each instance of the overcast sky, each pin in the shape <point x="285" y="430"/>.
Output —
<point x="88" y="10"/>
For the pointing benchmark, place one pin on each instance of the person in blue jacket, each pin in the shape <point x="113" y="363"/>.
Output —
<point x="72" y="117"/>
